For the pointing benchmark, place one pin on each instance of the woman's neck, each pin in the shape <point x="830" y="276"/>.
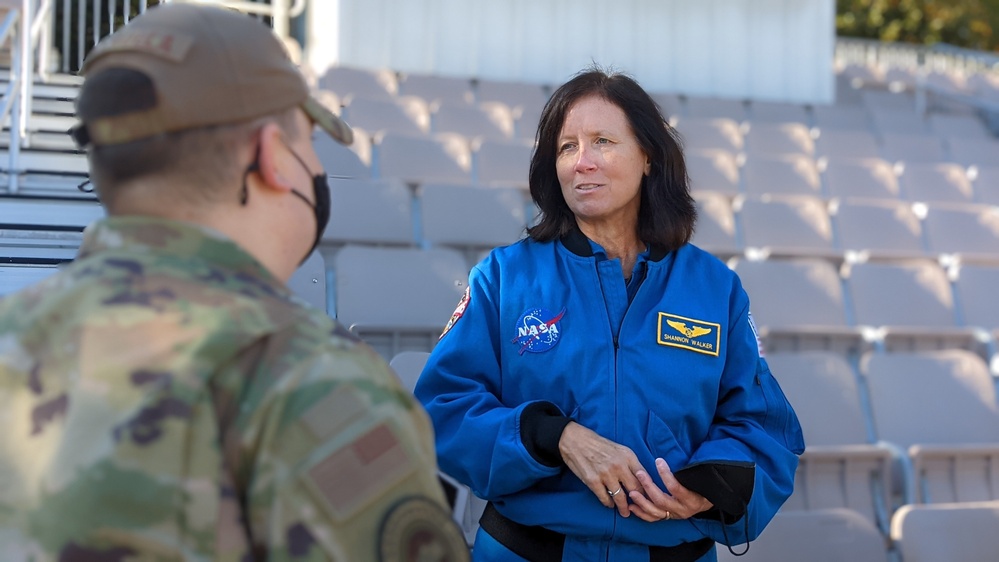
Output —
<point x="618" y="243"/>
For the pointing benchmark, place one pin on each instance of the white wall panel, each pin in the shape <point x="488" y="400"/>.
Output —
<point x="732" y="63"/>
<point x="761" y="49"/>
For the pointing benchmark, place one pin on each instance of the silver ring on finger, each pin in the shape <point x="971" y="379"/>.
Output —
<point x="668" y="515"/>
<point x="614" y="493"/>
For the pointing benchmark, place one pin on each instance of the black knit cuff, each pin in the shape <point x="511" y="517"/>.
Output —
<point x="541" y="426"/>
<point x="726" y="484"/>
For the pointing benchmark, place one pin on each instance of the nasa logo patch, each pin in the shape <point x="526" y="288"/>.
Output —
<point x="538" y="330"/>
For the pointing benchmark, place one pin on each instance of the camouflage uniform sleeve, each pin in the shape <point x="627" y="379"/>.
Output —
<point x="341" y="466"/>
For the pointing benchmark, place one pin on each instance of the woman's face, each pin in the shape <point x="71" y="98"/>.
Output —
<point x="600" y="164"/>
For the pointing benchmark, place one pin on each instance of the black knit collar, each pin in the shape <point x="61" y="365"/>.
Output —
<point x="577" y="242"/>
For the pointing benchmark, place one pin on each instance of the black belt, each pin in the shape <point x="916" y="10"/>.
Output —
<point x="538" y="544"/>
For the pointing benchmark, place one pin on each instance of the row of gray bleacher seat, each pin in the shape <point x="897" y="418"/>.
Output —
<point x="916" y="439"/>
<point x="820" y="291"/>
<point x="798" y="225"/>
<point x="801" y="303"/>
<point x="869" y="178"/>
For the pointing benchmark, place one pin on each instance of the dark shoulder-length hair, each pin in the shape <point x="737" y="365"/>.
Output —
<point x="667" y="214"/>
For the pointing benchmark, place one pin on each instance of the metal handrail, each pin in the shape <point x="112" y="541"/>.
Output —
<point x="9" y="105"/>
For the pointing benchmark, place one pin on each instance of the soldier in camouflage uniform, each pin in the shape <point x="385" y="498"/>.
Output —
<point x="165" y="397"/>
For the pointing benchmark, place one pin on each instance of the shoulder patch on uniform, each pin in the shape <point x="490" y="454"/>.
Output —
<point x="688" y="333"/>
<point x="759" y="340"/>
<point x="419" y="529"/>
<point x="340" y="407"/>
<point x="538" y="330"/>
<point x="459" y="311"/>
<point x="356" y="474"/>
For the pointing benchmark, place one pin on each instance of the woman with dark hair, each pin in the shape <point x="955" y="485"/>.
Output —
<point x="601" y="382"/>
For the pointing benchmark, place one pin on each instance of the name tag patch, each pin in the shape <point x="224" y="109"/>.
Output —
<point x="688" y="333"/>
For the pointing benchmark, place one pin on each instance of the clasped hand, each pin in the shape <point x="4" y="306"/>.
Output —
<point x="614" y="475"/>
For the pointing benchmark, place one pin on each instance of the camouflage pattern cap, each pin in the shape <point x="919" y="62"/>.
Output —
<point x="200" y="66"/>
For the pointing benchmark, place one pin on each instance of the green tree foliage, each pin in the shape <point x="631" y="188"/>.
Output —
<point x="973" y="24"/>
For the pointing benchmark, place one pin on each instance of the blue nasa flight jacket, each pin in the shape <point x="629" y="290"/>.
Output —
<point x="533" y="345"/>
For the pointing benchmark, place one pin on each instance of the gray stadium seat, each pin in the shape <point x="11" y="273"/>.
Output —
<point x="370" y="212"/>
<point x="986" y="183"/>
<point x="526" y="121"/>
<point x="841" y="118"/>
<point x="716" y="134"/>
<point x="435" y="88"/>
<point x="949" y="80"/>
<point x="840" y="468"/>
<point x="941" y="407"/>
<point x="798" y="304"/>
<point x="777" y="112"/>
<point x="442" y="158"/>
<point x="14" y="277"/>
<point x="471" y="218"/>
<point x="870" y="178"/>
<point x="788" y="225"/>
<point x="846" y="144"/>
<point x="513" y="94"/>
<point x="397" y="299"/>
<point x="408" y="365"/>
<point x="712" y="170"/>
<point x="350" y="83"/>
<point x="502" y="162"/>
<point x="901" y="80"/>
<point x="834" y="535"/>
<point x="984" y="84"/>
<point x="483" y="121"/>
<point x="669" y="104"/>
<point x="972" y="151"/>
<point x="911" y="148"/>
<point x="880" y="229"/>
<point x="945" y="532"/>
<point x="972" y="232"/>
<point x="960" y="126"/>
<point x="883" y="100"/>
<point x="408" y="115"/>
<point x="308" y="282"/>
<point x="936" y="183"/>
<point x="975" y="289"/>
<point x="789" y="174"/>
<point x="715" y="230"/>
<point x="863" y="75"/>
<point x="713" y="108"/>
<point x="911" y="301"/>
<point x="904" y="122"/>
<point x="342" y="161"/>
<point x="779" y="139"/>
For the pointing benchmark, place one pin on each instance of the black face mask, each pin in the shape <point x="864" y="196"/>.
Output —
<point x="320" y="188"/>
